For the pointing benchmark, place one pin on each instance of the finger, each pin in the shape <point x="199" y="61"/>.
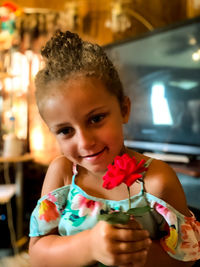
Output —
<point x="131" y="247"/>
<point x="130" y="235"/>
<point x="132" y="224"/>
<point x="131" y="258"/>
<point x="127" y="265"/>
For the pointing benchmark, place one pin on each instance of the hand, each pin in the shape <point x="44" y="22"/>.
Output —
<point x="120" y="244"/>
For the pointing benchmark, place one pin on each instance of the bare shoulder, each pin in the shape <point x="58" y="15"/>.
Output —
<point x="59" y="173"/>
<point x="162" y="182"/>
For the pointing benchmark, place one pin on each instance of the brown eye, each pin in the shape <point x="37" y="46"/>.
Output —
<point x="97" y="118"/>
<point x="65" y="131"/>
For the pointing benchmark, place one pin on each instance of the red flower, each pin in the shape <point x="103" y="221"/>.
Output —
<point x="124" y="170"/>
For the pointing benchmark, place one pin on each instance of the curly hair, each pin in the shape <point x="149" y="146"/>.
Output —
<point x="66" y="55"/>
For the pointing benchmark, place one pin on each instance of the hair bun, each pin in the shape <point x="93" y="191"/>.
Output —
<point x="61" y="42"/>
<point x="65" y="55"/>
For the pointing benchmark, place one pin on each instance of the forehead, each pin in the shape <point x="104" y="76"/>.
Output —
<point x="82" y="86"/>
<point x="82" y="93"/>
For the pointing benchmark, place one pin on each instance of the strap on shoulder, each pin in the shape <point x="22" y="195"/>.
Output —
<point x="148" y="162"/>
<point x="74" y="169"/>
<point x="75" y="172"/>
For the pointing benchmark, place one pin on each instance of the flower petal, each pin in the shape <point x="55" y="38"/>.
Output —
<point x="132" y="178"/>
<point x="124" y="170"/>
<point x="112" y="182"/>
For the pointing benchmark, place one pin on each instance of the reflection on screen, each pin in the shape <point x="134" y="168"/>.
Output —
<point x="159" y="105"/>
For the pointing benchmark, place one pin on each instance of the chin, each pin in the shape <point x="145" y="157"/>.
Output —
<point x="98" y="169"/>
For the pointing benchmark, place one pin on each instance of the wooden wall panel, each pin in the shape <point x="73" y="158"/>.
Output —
<point x="56" y="5"/>
<point x="162" y="12"/>
<point x="94" y="13"/>
<point x="193" y="8"/>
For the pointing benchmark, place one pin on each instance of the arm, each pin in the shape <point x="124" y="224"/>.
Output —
<point x="50" y="250"/>
<point x="58" y="174"/>
<point x="54" y="250"/>
<point x="163" y="183"/>
<point x="158" y="257"/>
<point x="109" y="244"/>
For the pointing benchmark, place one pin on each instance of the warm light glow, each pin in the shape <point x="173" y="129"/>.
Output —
<point x="20" y="67"/>
<point x="37" y="139"/>
<point x="20" y="114"/>
<point x="192" y="41"/>
<point x="23" y="69"/>
<point x="16" y="84"/>
<point x="36" y="62"/>
<point x="1" y="85"/>
<point x="119" y="21"/>
<point x="18" y="111"/>
<point x="196" y="56"/>
<point x="15" y="106"/>
<point x="19" y="70"/>
<point x="8" y="85"/>
<point x="7" y="114"/>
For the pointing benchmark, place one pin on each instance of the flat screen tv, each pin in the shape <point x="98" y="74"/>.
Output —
<point x="160" y="72"/>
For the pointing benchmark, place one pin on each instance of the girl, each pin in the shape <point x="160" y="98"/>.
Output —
<point x="81" y="99"/>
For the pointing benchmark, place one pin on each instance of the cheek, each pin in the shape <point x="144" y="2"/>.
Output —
<point x="66" y="147"/>
<point x="113" y="135"/>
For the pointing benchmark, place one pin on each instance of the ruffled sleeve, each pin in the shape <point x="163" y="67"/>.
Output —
<point x="182" y="234"/>
<point x="47" y="213"/>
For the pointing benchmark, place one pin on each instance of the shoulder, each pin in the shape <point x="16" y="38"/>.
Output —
<point x="59" y="173"/>
<point x="162" y="182"/>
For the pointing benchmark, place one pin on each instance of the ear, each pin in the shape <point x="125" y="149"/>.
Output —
<point x="126" y="108"/>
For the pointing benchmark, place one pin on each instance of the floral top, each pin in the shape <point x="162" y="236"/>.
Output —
<point x="72" y="210"/>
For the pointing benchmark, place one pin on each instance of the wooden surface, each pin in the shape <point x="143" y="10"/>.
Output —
<point x="22" y="158"/>
<point x="190" y="169"/>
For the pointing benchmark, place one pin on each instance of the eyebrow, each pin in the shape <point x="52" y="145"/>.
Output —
<point x="95" y="110"/>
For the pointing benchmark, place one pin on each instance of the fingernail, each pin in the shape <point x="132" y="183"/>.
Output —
<point x="149" y="241"/>
<point x="146" y="233"/>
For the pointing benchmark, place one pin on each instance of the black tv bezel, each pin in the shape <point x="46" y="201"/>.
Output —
<point x="191" y="151"/>
<point x="156" y="31"/>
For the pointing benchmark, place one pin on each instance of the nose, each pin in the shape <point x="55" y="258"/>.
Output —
<point x="85" y="139"/>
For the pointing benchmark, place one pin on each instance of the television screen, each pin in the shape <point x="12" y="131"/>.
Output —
<point x="160" y="72"/>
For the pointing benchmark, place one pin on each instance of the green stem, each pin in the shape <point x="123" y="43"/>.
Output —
<point x="129" y="197"/>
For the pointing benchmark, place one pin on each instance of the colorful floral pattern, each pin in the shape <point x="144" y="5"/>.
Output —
<point x="170" y="241"/>
<point x="48" y="211"/>
<point x="190" y="231"/>
<point x="85" y="206"/>
<point x="72" y="211"/>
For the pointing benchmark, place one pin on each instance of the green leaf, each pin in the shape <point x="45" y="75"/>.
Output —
<point x="115" y="217"/>
<point x="138" y="211"/>
<point x="101" y="265"/>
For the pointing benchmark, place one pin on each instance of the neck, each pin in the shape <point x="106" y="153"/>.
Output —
<point x="84" y="172"/>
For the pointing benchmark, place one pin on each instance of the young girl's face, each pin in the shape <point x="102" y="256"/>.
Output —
<point x="87" y="122"/>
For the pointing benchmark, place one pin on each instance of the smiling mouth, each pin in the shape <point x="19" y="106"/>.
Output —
<point x="96" y="154"/>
